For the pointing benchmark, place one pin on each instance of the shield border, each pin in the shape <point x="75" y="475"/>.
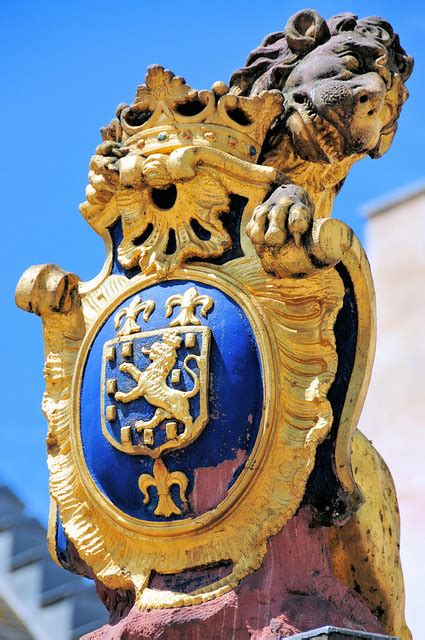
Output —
<point x="269" y="489"/>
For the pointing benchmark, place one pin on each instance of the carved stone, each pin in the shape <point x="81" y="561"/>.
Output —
<point x="203" y="392"/>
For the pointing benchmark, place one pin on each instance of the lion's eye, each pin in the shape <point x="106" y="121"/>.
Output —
<point x="352" y="61"/>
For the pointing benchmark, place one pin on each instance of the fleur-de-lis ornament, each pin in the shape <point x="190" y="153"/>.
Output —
<point x="163" y="480"/>
<point x="131" y="313"/>
<point x="188" y="301"/>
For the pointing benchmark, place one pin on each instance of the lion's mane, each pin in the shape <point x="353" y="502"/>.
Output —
<point x="269" y="65"/>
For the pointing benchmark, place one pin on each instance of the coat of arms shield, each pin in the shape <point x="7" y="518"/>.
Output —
<point x="170" y="407"/>
<point x="154" y="389"/>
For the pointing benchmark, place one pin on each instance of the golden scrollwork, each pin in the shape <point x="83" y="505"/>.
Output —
<point x="280" y="462"/>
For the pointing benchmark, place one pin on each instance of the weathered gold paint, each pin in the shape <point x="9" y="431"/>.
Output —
<point x="365" y="551"/>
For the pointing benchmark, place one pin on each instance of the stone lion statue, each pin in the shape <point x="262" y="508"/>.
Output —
<point x="343" y="87"/>
<point x="343" y="83"/>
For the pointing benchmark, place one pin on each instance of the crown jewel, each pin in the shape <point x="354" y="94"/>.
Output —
<point x="167" y="114"/>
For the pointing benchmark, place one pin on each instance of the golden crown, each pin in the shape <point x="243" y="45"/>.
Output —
<point x="167" y="114"/>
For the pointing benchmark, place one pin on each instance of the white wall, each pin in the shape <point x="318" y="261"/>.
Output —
<point x="394" y="413"/>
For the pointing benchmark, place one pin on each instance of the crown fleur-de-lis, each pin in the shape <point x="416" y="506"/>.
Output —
<point x="188" y="301"/>
<point x="131" y="313"/>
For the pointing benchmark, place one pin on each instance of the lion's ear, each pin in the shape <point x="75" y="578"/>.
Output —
<point x="305" y="31"/>
<point x="342" y="22"/>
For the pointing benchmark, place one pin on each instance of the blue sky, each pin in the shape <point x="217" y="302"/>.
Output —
<point x="64" y="67"/>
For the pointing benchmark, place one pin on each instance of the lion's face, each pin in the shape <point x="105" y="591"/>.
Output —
<point x="336" y="99"/>
<point x="158" y="351"/>
<point x="342" y="81"/>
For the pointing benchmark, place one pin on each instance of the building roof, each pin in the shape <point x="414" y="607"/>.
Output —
<point x="38" y="599"/>
<point x="380" y="205"/>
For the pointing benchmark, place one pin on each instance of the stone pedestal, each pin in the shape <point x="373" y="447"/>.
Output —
<point x="336" y="633"/>
<point x="293" y="591"/>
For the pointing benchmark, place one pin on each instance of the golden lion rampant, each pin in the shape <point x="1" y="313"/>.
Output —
<point x="152" y="384"/>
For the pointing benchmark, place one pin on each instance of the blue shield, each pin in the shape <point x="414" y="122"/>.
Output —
<point x="171" y="401"/>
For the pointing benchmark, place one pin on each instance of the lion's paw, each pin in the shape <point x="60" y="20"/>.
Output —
<point x="125" y="367"/>
<point x="284" y="217"/>
<point x="289" y="241"/>
<point x="104" y="172"/>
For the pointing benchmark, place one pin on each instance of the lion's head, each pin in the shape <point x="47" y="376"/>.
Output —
<point x="342" y="80"/>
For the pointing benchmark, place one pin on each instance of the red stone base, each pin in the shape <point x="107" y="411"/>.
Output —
<point x="294" y="590"/>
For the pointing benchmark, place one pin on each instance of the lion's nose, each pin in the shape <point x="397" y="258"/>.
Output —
<point x="366" y="101"/>
<point x="336" y="95"/>
<point x="360" y="98"/>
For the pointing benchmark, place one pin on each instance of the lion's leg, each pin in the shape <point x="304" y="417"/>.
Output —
<point x="129" y="396"/>
<point x="158" y="416"/>
<point x="135" y="393"/>
<point x="132" y="370"/>
<point x="365" y="551"/>
<point x="187" y="421"/>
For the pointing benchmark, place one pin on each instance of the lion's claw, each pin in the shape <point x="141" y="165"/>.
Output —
<point x="124" y="367"/>
<point x="299" y="221"/>
<point x="111" y="149"/>
<point x="285" y="216"/>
